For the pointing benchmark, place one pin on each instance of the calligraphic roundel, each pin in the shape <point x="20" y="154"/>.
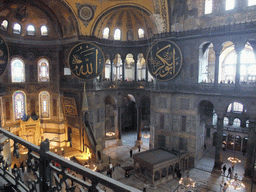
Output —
<point x="86" y="60"/>
<point x="164" y="60"/>
<point x="4" y="55"/>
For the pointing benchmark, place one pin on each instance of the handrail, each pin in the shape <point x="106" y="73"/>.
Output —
<point x="48" y="173"/>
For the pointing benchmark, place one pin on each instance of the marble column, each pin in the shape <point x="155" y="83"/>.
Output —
<point x="135" y="68"/>
<point x="239" y="48"/>
<point x="138" y="142"/>
<point x="250" y="149"/>
<point x="219" y="141"/>
<point x="123" y="68"/>
<point x="217" y="49"/>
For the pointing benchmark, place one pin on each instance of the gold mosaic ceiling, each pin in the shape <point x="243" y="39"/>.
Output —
<point x="126" y="19"/>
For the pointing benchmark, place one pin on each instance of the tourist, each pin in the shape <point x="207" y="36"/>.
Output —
<point x="225" y="187"/>
<point x="131" y="153"/>
<point x="178" y="174"/>
<point x="229" y="172"/>
<point x="139" y="148"/>
<point x="224" y="168"/>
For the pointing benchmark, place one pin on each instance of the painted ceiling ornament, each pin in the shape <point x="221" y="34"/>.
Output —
<point x="85" y="12"/>
<point x="86" y="60"/>
<point x="4" y="55"/>
<point x="164" y="60"/>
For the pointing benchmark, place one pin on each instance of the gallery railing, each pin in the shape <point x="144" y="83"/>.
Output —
<point x="47" y="171"/>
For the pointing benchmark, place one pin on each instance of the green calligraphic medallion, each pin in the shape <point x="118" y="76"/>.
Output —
<point x="4" y="55"/>
<point x="86" y="60"/>
<point x="164" y="60"/>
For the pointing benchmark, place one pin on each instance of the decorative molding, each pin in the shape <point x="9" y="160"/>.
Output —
<point x="85" y="12"/>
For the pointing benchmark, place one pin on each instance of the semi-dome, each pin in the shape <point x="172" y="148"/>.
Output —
<point x="125" y="24"/>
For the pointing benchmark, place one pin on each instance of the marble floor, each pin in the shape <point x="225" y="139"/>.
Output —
<point x="208" y="180"/>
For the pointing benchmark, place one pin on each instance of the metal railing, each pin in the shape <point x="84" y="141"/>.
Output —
<point x="46" y="176"/>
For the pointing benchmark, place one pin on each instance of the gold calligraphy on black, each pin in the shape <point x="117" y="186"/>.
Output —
<point x="164" y="60"/>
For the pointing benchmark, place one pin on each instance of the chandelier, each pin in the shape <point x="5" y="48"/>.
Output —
<point x="235" y="183"/>
<point x="187" y="182"/>
<point x="146" y="135"/>
<point x="234" y="160"/>
<point x="110" y="134"/>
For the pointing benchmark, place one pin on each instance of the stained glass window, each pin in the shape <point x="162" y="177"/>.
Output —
<point x="31" y="30"/>
<point x="16" y="28"/>
<point x="106" y="33"/>
<point x="208" y="7"/>
<point x="43" y="70"/>
<point x="117" y="34"/>
<point x="17" y="70"/>
<point x="44" y="30"/>
<point x="230" y="4"/>
<point x="44" y="98"/>
<point x="19" y="102"/>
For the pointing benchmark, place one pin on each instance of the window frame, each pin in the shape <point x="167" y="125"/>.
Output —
<point x="23" y="70"/>
<point x="48" y="101"/>
<point x="39" y="66"/>
<point x="14" y="100"/>
<point x="16" y="31"/>
<point x="31" y="32"/>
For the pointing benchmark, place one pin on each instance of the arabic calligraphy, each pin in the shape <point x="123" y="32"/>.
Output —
<point x="86" y="61"/>
<point x="164" y="60"/>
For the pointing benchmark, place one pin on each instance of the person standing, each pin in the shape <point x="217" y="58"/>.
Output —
<point x="229" y="172"/>
<point x="225" y="187"/>
<point x="131" y="153"/>
<point x="139" y="148"/>
<point x="224" y="168"/>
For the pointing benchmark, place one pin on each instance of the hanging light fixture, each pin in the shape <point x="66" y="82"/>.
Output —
<point x="236" y="183"/>
<point x="187" y="182"/>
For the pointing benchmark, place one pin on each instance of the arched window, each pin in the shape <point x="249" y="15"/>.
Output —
<point x="230" y="4"/>
<point x="237" y="122"/>
<point x="141" y="68"/>
<point x="19" y="104"/>
<point x="247" y="123"/>
<point x="106" y="33"/>
<point x="141" y="33"/>
<point x="31" y="30"/>
<point x="225" y="121"/>
<point x="4" y="25"/>
<point x="237" y="107"/>
<point x="17" y="70"/>
<point x="206" y="63"/>
<point x="43" y="70"/>
<point x="117" y="34"/>
<point x="107" y="71"/>
<point x="247" y="65"/>
<point x="117" y="68"/>
<point x="16" y="28"/>
<point x="208" y="7"/>
<point x="251" y="2"/>
<point x="44" y="98"/>
<point x="129" y="68"/>
<point x="44" y="30"/>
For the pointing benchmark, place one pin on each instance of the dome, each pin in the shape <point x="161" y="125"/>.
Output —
<point x="127" y="23"/>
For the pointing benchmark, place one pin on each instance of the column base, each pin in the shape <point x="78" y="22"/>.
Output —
<point x="138" y="142"/>
<point x="119" y="142"/>
<point x="248" y="172"/>
<point x="217" y="165"/>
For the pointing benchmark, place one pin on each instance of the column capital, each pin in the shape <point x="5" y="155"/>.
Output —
<point x="239" y="46"/>
<point x="217" y="48"/>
